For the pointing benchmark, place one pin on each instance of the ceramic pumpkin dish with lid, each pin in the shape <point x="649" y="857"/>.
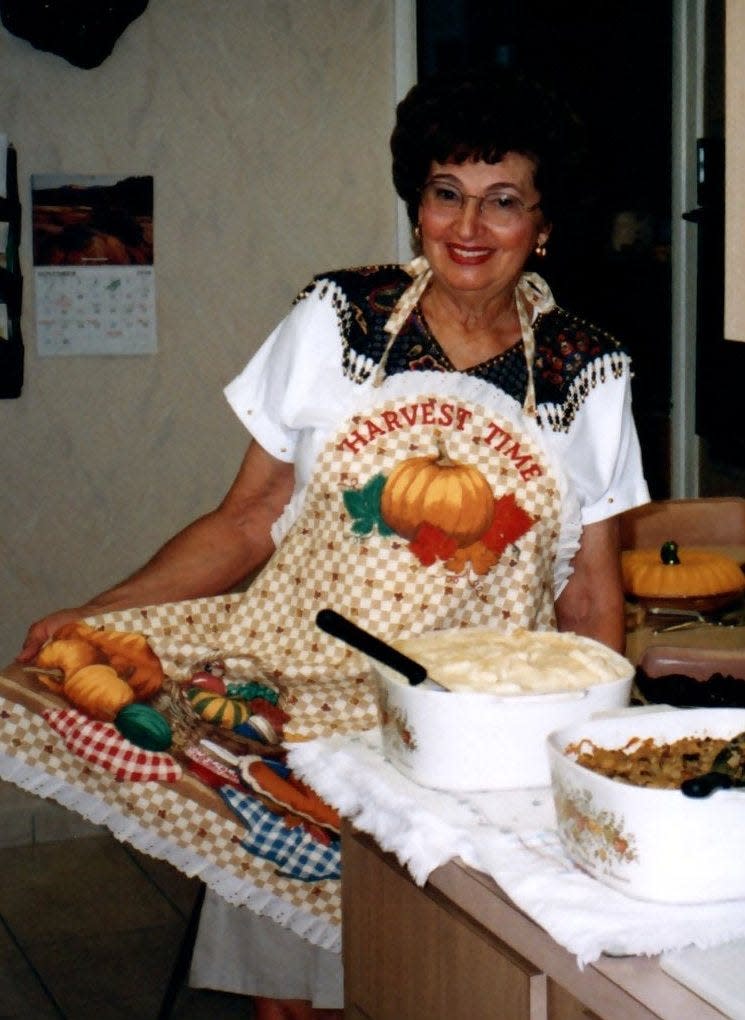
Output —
<point x="672" y="575"/>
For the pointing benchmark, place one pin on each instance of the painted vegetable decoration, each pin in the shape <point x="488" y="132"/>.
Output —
<point x="98" y="671"/>
<point x="134" y="660"/>
<point x="127" y="651"/>
<point x="66" y="654"/>
<point x="145" y="727"/>
<point x="217" y="709"/>
<point x="246" y="707"/>
<point x="98" y="690"/>
<point x="674" y="572"/>
<point x="207" y="681"/>
<point x="435" y="490"/>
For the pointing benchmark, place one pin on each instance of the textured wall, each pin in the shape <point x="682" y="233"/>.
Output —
<point x="265" y="124"/>
<point x="734" y="198"/>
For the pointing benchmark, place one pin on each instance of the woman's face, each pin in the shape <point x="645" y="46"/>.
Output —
<point x="467" y="250"/>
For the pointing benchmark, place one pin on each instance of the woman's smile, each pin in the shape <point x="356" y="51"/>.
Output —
<point x="469" y="256"/>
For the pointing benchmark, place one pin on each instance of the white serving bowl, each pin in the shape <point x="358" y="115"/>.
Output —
<point x="652" y="844"/>
<point x="469" y="741"/>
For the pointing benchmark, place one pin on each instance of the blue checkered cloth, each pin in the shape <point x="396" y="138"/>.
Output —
<point x="295" y="852"/>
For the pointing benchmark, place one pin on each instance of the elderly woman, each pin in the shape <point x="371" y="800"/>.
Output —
<point x="433" y="444"/>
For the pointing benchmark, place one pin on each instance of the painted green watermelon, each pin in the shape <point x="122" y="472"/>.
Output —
<point x="143" y="726"/>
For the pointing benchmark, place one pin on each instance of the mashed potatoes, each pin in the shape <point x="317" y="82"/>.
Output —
<point x="480" y="659"/>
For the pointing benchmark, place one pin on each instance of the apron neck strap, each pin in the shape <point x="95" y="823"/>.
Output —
<point x="532" y="297"/>
<point x="421" y="274"/>
<point x="525" y="314"/>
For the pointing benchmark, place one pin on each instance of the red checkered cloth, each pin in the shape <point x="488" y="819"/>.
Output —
<point x="102" y="744"/>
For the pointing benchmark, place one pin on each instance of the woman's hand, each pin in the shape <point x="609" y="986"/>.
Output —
<point x="41" y="631"/>
<point x="592" y="601"/>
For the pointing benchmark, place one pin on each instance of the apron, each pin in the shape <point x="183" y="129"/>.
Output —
<point x="433" y="504"/>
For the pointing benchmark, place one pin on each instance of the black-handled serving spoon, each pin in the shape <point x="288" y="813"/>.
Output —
<point x="702" y="786"/>
<point x="727" y="771"/>
<point x="339" y="626"/>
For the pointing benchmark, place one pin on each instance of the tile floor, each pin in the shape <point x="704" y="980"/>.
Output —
<point x="90" y="929"/>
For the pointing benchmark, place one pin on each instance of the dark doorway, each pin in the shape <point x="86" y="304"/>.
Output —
<point x="613" y="64"/>
<point x="720" y="363"/>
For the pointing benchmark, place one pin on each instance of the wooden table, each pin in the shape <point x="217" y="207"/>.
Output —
<point x="458" y="949"/>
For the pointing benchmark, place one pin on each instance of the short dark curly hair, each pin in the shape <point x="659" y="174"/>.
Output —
<point x="483" y="114"/>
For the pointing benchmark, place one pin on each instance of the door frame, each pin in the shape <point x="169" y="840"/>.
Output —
<point x="405" y="75"/>
<point x="688" y="67"/>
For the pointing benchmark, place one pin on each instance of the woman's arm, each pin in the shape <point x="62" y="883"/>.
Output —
<point x="592" y="601"/>
<point x="208" y="557"/>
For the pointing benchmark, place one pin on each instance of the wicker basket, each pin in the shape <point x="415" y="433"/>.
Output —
<point x="189" y="728"/>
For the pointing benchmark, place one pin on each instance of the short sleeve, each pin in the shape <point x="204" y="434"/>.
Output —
<point x="276" y="396"/>
<point x="600" y="450"/>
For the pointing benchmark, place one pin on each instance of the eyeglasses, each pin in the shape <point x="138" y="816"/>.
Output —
<point x="498" y="209"/>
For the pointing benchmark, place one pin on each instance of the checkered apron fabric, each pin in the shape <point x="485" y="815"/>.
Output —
<point x="335" y="557"/>
<point x="163" y="820"/>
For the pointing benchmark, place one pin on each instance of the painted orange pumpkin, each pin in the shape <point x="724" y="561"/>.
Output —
<point x="65" y="656"/>
<point x="128" y="652"/>
<point x="132" y="658"/>
<point x="98" y="690"/>
<point x="437" y="490"/>
<point x="679" y="573"/>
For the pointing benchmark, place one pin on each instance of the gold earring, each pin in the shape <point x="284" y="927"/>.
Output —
<point x="417" y="233"/>
<point x="540" y="249"/>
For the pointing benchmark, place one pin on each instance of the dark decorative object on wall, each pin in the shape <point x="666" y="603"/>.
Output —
<point x="84" y="32"/>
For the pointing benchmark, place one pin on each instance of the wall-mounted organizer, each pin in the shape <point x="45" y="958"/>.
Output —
<point x="11" y="280"/>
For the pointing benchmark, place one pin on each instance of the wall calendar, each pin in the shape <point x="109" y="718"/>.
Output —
<point x="94" y="278"/>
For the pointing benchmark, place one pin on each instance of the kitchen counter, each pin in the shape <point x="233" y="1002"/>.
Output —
<point x="458" y="948"/>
